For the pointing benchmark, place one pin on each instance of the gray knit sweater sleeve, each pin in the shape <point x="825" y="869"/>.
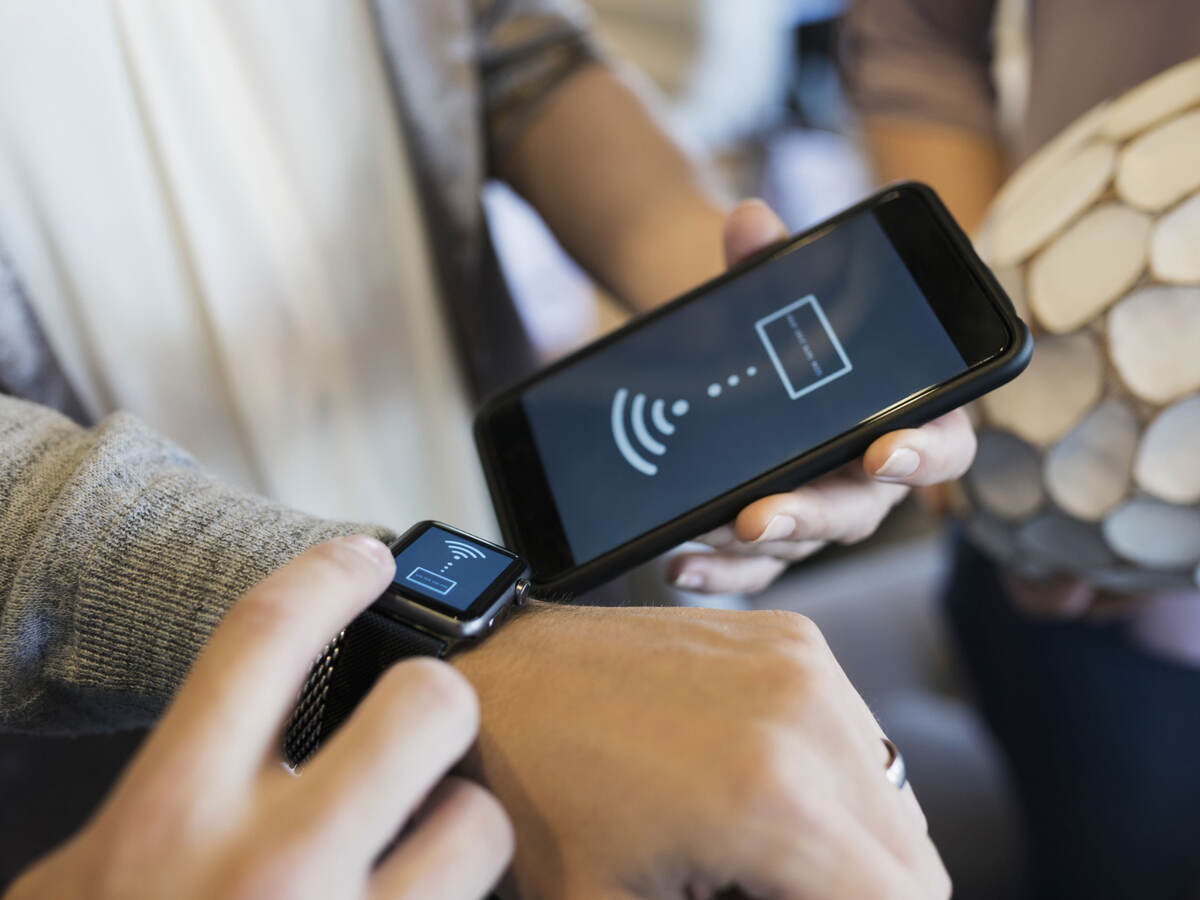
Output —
<point x="118" y="556"/>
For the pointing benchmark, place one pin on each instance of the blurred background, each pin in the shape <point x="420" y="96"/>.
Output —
<point x="755" y="85"/>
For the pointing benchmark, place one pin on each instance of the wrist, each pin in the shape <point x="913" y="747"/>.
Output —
<point x="484" y="663"/>
<point x="494" y="667"/>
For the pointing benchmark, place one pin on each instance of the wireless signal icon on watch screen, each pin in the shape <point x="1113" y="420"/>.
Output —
<point x="437" y="581"/>
<point x="463" y="550"/>
<point x="647" y="442"/>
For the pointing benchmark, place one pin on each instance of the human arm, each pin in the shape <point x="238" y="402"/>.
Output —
<point x="553" y="682"/>
<point x="965" y="167"/>
<point x="635" y="209"/>
<point x="639" y="214"/>
<point x="118" y="556"/>
<point x="919" y="73"/>
<point x="577" y="136"/>
<point x="666" y="753"/>
<point x="206" y="810"/>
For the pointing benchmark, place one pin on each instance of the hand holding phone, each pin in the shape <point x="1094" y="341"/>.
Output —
<point x="846" y="505"/>
<point x="786" y="369"/>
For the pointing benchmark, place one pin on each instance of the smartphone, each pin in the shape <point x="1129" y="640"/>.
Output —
<point x="781" y="370"/>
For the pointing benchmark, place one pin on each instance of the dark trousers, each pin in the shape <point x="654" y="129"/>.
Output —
<point x="1103" y="739"/>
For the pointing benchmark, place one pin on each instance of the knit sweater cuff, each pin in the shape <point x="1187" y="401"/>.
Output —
<point x="137" y="558"/>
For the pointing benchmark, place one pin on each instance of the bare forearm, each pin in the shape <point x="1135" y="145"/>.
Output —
<point x="965" y="168"/>
<point x="624" y="199"/>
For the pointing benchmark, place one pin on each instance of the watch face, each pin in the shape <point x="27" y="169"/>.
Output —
<point x="452" y="572"/>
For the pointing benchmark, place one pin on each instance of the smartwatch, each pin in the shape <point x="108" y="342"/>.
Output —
<point x="450" y="588"/>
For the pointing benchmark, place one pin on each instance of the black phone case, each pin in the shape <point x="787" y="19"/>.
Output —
<point x="823" y="459"/>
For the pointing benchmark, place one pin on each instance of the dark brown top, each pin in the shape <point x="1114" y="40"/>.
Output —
<point x="931" y="59"/>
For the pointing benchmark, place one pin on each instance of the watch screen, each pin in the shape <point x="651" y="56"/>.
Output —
<point x="449" y="567"/>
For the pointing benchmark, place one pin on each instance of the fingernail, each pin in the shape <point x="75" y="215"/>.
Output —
<point x="373" y="549"/>
<point x="689" y="581"/>
<point x="777" y="529"/>
<point x="900" y="464"/>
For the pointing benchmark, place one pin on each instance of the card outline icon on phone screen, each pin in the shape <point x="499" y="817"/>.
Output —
<point x="810" y="301"/>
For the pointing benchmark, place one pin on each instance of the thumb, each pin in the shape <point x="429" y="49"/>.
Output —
<point x="751" y="227"/>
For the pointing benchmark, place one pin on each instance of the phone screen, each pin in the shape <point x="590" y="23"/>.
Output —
<point x="734" y="383"/>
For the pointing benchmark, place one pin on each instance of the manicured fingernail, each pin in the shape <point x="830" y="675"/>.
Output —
<point x="374" y="550"/>
<point x="689" y="581"/>
<point x="900" y="464"/>
<point x="777" y="529"/>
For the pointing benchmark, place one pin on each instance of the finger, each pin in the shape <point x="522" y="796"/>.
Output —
<point x="840" y="720"/>
<point x="785" y="551"/>
<point x="916" y="847"/>
<point x="842" y="860"/>
<point x="893" y="816"/>
<point x="914" y="805"/>
<point x="459" y="848"/>
<point x="751" y="227"/>
<point x="414" y="725"/>
<point x="835" y="508"/>
<point x="853" y="739"/>
<point x="242" y="688"/>
<point x="725" y="540"/>
<point x="719" y="537"/>
<point x="718" y="573"/>
<point x="941" y="450"/>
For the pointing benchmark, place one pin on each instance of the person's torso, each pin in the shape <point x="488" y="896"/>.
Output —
<point x="1085" y="51"/>
<point x="212" y="206"/>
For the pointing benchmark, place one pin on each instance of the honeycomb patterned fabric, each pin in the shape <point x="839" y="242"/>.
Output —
<point x="1087" y="462"/>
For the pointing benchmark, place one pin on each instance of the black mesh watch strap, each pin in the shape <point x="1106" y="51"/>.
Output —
<point x="345" y="672"/>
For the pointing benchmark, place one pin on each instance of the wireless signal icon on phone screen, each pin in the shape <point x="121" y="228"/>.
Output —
<point x="647" y="441"/>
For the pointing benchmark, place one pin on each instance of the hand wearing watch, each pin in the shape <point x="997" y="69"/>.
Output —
<point x="450" y="589"/>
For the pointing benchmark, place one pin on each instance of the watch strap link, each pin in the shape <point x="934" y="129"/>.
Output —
<point x="346" y="670"/>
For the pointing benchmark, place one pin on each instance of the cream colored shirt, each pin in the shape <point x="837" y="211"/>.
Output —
<point x="211" y="205"/>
